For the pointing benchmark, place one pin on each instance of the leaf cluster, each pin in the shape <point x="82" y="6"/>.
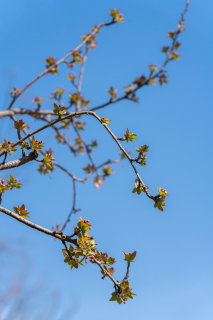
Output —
<point x="21" y="211"/>
<point x="7" y="146"/>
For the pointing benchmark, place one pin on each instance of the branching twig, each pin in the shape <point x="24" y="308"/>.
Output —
<point x="60" y="61"/>
<point x="74" y="114"/>
<point x="37" y="227"/>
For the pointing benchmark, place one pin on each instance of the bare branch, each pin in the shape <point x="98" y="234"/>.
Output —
<point x="19" y="162"/>
<point x="37" y="227"/>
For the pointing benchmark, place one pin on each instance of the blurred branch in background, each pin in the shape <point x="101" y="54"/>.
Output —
<point x="22" y="299"/>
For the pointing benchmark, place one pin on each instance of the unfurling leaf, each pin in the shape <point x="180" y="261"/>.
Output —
<point x="98" y="181"/>
<point x="142" y="149"/>
<point x="175" y="55"/>
<point x="44" y="169"/>
<point x="50" y="62"/>
<point x="13" y="183"/>
<point x="7" y="146"/>
<point x="20" y="125"/>
<point x="89" y="168"/>
<point x="159" y="202"/>
<point x="91" y="42"/>
<point x="165" y="49"/>
<point x="140" y="81"/>
<point x="163" y="79"/>
<point x="48" y="158"/>
<point x="35" y="144"/>
<point x="71" y="76"/>
<point x="113" y="93"/>
<point x="117" y="17"/>
<point x="152" y="81"/>
<point x="129" y="257"/>
<point x="38" y="100"/>
<point x="153" y="67"/>
<point x="4" y="187"/>
<point x="21" y="211"/>
<point x="171" y="34"/>
<point x="105" y="121"/>
<point x="77" y="56"/>
<point x="107" y="171"/>
<point x="162" y="192"/>
<point x="59" y="110"/>
<point x="94" y="144"/>
<point x="138" y="187"/>
<point x="128" y="89"/>
<point x="129" y="136"/>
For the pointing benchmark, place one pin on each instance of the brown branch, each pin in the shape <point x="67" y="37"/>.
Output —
<point x="60" y="61"/>
<point x="73" y="210"/>
<point x="65" y="141"/>
<point x="70" y="174"/>
<point x="37" y="227"/>
<point x="127" y="273"/>
<point x="145" y="83"/>
<point x="116" y="283"/>
<point x="19" y="162"/>
<point x="73" y="114"/>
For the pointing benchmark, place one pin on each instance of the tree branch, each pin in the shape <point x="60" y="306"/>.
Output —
<point x="19" y="162"/>
<point x="37" y="227"/>
<point x="60" y="61"/>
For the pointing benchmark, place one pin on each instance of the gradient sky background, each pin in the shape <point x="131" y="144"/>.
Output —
<point x="172" y="275"/>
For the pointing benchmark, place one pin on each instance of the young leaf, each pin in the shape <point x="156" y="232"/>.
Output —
<point x="105" y="121"/>
<point x="21" y="211"/>
<point x="129" y="136"/>
<point x="117" y="17"/>
<point x="38" y="100"/>
<point x="113" y="93"/>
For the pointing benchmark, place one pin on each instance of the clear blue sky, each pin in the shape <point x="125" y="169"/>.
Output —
<point x="172" y="275"/>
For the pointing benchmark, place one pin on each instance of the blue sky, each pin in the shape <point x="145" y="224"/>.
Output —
<point x="172" y="275"/>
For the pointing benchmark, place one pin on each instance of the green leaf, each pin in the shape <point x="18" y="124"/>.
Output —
<point x="163" y="79"/>
<point x="51" y="61"/>
<point x="13" y="183"/>
<point x="48" y="159"/>
<point x="162" y="192"/>
<point x="129" y="136"/>
<point x="171" y="34"/>
<point x="7" y="146"/>
<point x="35" y="144"/>
<point x="113" y="93"/>
<point x="129" y="257"/>
<point x="153" y="67"/>
<point x="165" y="49"/>
<point x="117" y="17"/>
<point x="19" y="125"/>
<point x="59" y="110"/>
<point x="140" y="81"/>
<point x="38" y="100"/>
<point x="142" y="149"/>
<point x="105" y="121"/>
<point x="175" y="56"/>
<point x="152" y="81"/>
<point x="107" y="171"/>
<point x="21" y="211"/>
<point x="77" y="56"/>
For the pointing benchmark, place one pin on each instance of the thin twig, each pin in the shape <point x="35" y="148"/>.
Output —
<point x="60" y="61"/>
<point x="81" y="75"/>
